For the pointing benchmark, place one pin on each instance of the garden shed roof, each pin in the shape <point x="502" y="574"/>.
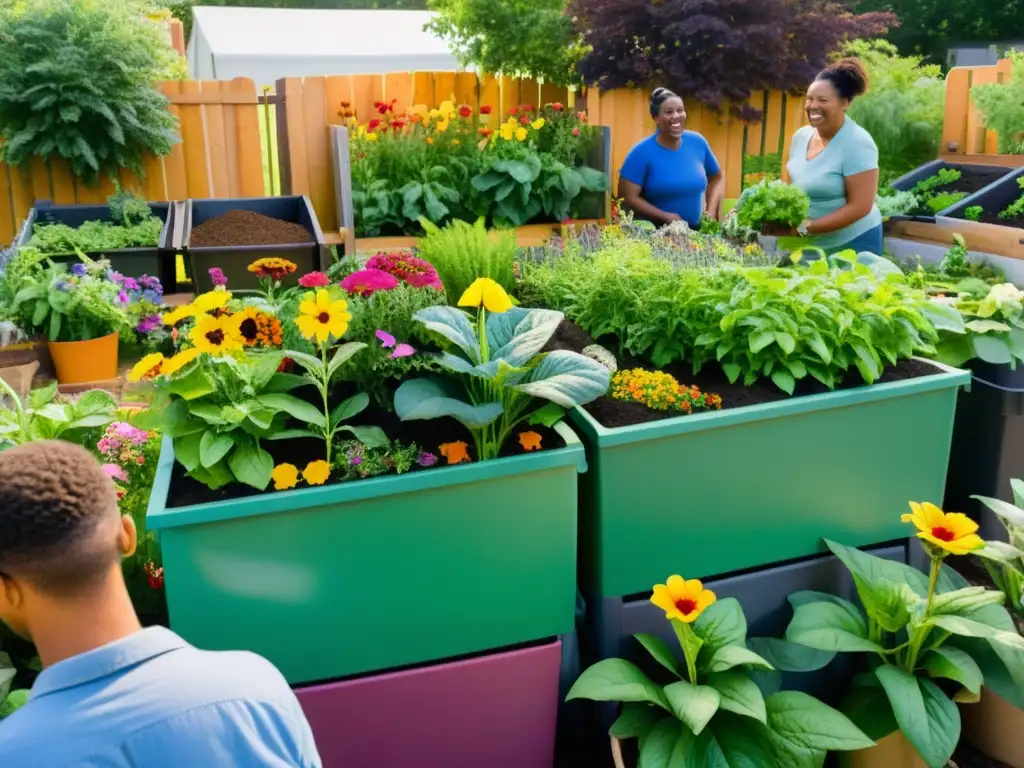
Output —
<point x="267" y="43"/>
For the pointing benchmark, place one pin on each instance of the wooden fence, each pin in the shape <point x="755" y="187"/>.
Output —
<point x="221" y="153"/>
<point x="963" y="132"/>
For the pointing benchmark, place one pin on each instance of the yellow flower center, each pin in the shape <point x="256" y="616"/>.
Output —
<point x="686" y="606"/>
<point x="943" y="534"/>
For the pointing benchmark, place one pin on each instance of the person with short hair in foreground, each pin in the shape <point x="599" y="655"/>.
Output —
<point x="111" y="693"/>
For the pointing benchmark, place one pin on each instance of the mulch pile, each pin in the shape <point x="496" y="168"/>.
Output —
<point x="247" y="228"/>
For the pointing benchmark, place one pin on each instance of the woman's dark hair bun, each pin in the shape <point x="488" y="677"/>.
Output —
<point x="847" y="76"/>
<point x="658" y="97"/>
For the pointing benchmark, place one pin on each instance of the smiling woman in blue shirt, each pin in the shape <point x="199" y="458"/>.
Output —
<point x="667" y="176"/>
<point x="835" y="162"/>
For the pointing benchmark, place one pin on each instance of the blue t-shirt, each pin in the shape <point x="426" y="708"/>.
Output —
<point x="674" y="180"/>
<point x="823" y="177"/>
<point x="152" y="700"/>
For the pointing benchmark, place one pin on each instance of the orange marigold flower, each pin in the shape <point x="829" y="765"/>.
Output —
<point x="530" y="441"/>
<point x="455" y="452"/>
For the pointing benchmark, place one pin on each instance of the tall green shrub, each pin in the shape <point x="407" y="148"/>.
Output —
<point x="462" y="252"/>
<point x="1002" y="107"/>
<point x="77" y="80"/>
<point x="904" y="108"/>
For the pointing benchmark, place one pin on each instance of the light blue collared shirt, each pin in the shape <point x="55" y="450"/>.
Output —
<point x="151" y="700"/>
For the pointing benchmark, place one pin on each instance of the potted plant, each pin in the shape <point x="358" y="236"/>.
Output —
<point x="928" y="641"/>
<point x="711" y="710"/>
<point x="82" y="312"/>
<point x="772" y="208"/>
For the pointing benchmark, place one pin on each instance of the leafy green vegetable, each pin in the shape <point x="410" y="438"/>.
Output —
<point x="772" y="203"/>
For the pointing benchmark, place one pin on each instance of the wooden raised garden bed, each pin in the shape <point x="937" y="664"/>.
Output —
<point x="991" y="233"/>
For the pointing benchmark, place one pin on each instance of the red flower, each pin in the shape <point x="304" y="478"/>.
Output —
<point x="378" y="104"/>
<point x="398" y="125"/>
<point x="382" y="108"/>
<point x="485" y="109"/>
<point x="465" y="110"/>
<point x="155" y="575"/>
<point x="485" y="132"/>
<point x="524" y="120"/>
<point x="581" y="116"/>
<point x="373" y="125"/>
<point x="528" y="108"/>
<point x="514" y="111"/>
<point x="557" y="106"/>
<point x="384" y="129"/>
<point x="286" y="365"/>
<point x="575" y="131"/>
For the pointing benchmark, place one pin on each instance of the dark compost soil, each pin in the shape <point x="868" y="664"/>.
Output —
<point x="992" y="217"/>
<point x="427" y="435"/>
<point x="711" y="379"/>
<point x="973" y="179"/>
<point x="247" y="228"/>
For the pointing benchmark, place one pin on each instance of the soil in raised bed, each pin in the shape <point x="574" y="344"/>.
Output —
<point x="247" y="228"/>
<point x="427" y="434"/>
<point x="711" y="379"/>
<point x="971" y="180"/>
<point x="992" y="217"/>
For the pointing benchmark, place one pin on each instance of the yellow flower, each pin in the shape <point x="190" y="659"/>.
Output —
<point x="320" y="318"/>
<point x="147" y="368"/>
<point x="216" y="335"/>
<point x="317" y="472"/>
<point x="175" y="316"/>
<point x="508" y="131"/>
<point x="285" y="476"/>
<point x="681" y="599"/>
<point x="455" y="142"/>
<point x="488" y="294"/>
<point x="442" y="125"/>
<point x="952" y="531"/>
<point x="429" y="140"/>
<point x="174" y="364"/>
<point x="209" y="301"/>
<point x="521" y="134"/>
<point x="537" y="124"/>
<point x="371" y="137"/>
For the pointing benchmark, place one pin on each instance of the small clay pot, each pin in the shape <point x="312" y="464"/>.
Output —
<point x="894" y="751"/>
<point x="996" y="728"/>
<point x="79" y="362"/>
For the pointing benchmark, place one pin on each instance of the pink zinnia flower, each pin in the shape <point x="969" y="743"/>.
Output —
<point x="314" y="280"/>
<point x="417" y="272"/>
<point x="114" y="472"/>
<point x="367" y="282"/>
<point x="217" y="277"/>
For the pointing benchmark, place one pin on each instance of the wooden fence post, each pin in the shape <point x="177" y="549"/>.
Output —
<point x="284" y="160"/>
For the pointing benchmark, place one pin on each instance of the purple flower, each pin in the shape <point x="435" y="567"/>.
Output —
<point x="123" y="297"/>
<point x="131" y="284"/>
<point x="355" y="461"/>
<point x="386" y="339"/>
<point x="78" y="269"/>
<point x="115" y="277"/>
<point x="148" y="324"/>
<point x="217" y="277"/>
<point x="153" y="297"/>
<point x="151" y="284"/>
<point x="403" y="350"/>
<point x="426" y="459"/>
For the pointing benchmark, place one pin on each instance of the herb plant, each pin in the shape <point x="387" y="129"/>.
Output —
<point x="930" y="640"/>
<point x="993" y="328"/>
<point x="501" y="367"/>
<point x="1016" y="209"/>
<point x="943" y="200"/>
<point x="132" y="225"/>
<point x="1004" y="560"/>
<point x="712" y="711"/>
<point x="772" y="204"/>
<point x="897" y="204"/>
<point x="973" y="212"/>
<point x="462" y="252"/>
<point x="45" y="416"/>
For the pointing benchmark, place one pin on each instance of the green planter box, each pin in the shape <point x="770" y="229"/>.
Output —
<point x="381" y="573"/>
<point x="714" y="493"/>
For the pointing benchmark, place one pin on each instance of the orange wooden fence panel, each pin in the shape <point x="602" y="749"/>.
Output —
<point x="220" y="155"/>
<point x="963" y="126"/>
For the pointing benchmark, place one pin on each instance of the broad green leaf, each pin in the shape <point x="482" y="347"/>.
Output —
<point x="284" y="382"/>
<point x="658" y="748"/>
<point x="371" y="437"/>
<point x="790" y="657"/>
<point x="617" y="680"/>
<point x="954" y="664"/>
<point x="517" y="335"/>
<point x="660" y="652"/>
<point x="547" y="415"/>
<point x="740" y="742"/>
<point x="93" y="402"/>
<point x="55" y="412"/>
<point x="177" y="420"/>
<point x="1002" y="553"/>
<point x="251" y="465"/>
<point x="294" y="407"/>
<point x="186" y="450"/>
<point x="346" y="409"/>
<point x="958" y="625"/>
<point x="1004" y="510"/>
<point x="636" y="719"/>
<point x="962" y="602"/>
<point x="739" y="694"/>
<point x="209" y="412"/>
<point x="214" y="477"/>
<point x="868" y="708"/>
<point x="342" y="355"/>
<point x="830" y="627"/>
<point x="871" y="570"/>
<point x="721" y="624"/>
<point x="430" y="399"/>
<point x="40" y="397"/>
<point x="14" y="701"/>
<point x="987" y="326"/>
<point x="90" y="422"/>
<point x="567" y="379"/>
<point x="994" y="670"/>
<point x="193" y="385"/>
<point x="313" y="365"/>
<point x="453" y="324"/>
<point x="890" y="604"/>
<point x="695" y="705"/>
<point x="761" y="340"/>
<point x="992" y="349"/>
<point x="730" y="656"/>
<point x="808" y="723"/>
<point x="213" y="447"/>
<point x="932" y="729"/>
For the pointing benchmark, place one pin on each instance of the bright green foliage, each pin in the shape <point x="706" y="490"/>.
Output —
<point x="904" y="108"/>
<point x="917" y="629"/>
<point x="712" y="705"/>
<point x="1002" y="107"/>
<point x="462" y="252"/>
<point x="533" y="38"/>
<point x="994" y="323"/>
<point x="974" y="213"/>
<point x="897" y="204"/>
<point x="15" y="673"/>
<point x="1004" y="560"/>
<point x="46" y="417"/>
<point x="772" y="203"/>
<point x="396" y="458"/>
<point x="943" y="200"/>
<point x="1016" y="208"/>
<point x="76" y="80"/>
<point x="132" y="225"/>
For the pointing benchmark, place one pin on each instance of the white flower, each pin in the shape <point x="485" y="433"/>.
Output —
<point x="1006" y="295"/>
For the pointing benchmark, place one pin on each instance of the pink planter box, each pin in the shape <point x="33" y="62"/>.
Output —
<point x="497" y="711"/>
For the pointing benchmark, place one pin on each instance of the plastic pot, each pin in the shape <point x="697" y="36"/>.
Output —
<point x="894" y="751"/>
<point x="995" y="727"/>
<point x="80" y="362"/>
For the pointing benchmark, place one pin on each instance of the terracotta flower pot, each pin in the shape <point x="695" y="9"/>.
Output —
<point x="995" y="727"/>
<point x="78" y="362"/>
<point x="894" y="751"/>
<point x="19" y="377"/>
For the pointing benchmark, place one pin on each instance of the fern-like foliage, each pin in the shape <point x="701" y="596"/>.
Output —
<point x="77" y="81"/>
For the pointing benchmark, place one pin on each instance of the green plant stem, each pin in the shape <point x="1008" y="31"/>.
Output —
<point x="324" y="385"/>
<point x="921" y="633"/>
<point x="688" y="641"/>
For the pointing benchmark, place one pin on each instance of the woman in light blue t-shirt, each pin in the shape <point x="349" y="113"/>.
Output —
<point x="835" y="162"/>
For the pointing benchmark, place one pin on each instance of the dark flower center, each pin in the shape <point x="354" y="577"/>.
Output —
<point x="215" y="337"/>
<point x="324" y="318"/>
<point x="249" y="329"/>
<point x="686" y="606"/>
<point x="943" y="534"/>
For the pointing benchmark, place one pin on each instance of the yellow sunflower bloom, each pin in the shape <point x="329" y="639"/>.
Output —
<point x="488" y="294"/>
<point x="147" y="368"/>
<point x="175" y="316"/>
<point x="681" y="599"/>
<point x="209" y="301"/>
<point x="317" y="472"/>
<point x="508" y="131"/>
<point x="174" y="364"/>
<point x="320" y="318"/>
<point x="285" y="476"/>
<point x="538" y="124"/>
<point x="217" y="335"/>
<point x="950" y="531"/>
<point x="521" y="134"/>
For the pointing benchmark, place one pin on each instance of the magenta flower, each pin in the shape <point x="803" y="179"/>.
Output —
<point x="426" y="459"/>
<point x="123" y="297"/>
<point x="402" y="264"/>
<point x="114" y="472"/>
<point x="148" y="324"/>
<point x="217" y="277"/>
<point x="386" y="339"/>
<point x="367" y="282"/>
<point x="314" y="280"/>
<point x="403" y="350"/>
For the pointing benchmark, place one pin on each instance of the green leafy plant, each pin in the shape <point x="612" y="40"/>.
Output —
<point x="1004" y="560"/>
<point x="45" y="416"/>
<point x="357" y="461"/>
<point x="508" y="185"/>
<point x="1002" y="107"/>
<point x="941" y="178"/>
<point x="897" y="204"/>
<point x="993" y="328"/>
<point x="502" y="371"/>
<point x="712" y="712"/>
<point x="930" y="641"/>
<point x="1016" y="209"/>
<point x="18" y="668"/>
<point x="772" y="204"/>
<point x="943" y="200"/>
<point x="132" y="225"/>
<point x="973" y="212"/>
<point x="559" y="185"/>
<point x="462" y="252"/>
<point x="77" y="81"/>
